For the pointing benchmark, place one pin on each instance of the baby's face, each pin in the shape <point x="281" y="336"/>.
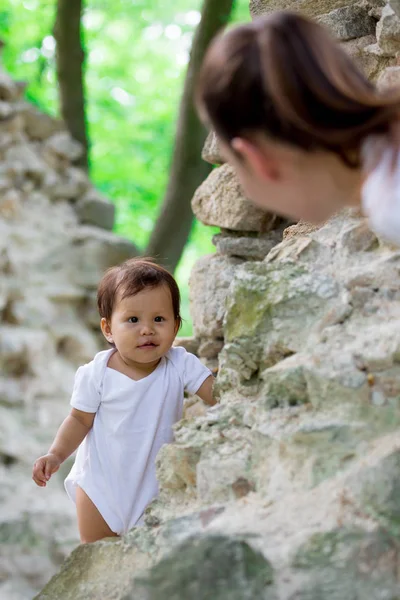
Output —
<point x="143" y="327"/>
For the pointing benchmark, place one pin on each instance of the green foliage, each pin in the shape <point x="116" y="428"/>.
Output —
<point x="137" y="52"/>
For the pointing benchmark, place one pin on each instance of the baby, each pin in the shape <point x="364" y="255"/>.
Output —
<point x="125" y="401"/>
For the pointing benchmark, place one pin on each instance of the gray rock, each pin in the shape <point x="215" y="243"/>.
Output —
<point x="9" y="89"/>
<point x="176" y="466"/>
<point x="209" y="283"/>
<point x="12" y="392"/>
<point x="285" y="384"/>
<point x="349" y="22"/>
<point x="215" y="567"/>
<point x="388" y="31"/>
<point x="218" y="475"/>
<point x="191" y="344"/>
<point x="211" y="153"/>
<point x="210" y="348"/>
<point x="336" y="562"/>
<point x="94" y="209"/>
<point x="377" y="490"/>
<point x="38" y="125"/>
<point x="62" y="145"/>
<point x="7" y="110"/>
<point x="92" y="251"/>
<point x="250" y="248"/>
<point x="262" y="308"/>
<point x="71" y="184"/>
<point x="395" y="6"/>
<point x="48" y="326"/>
<point x="219" y="201"/>
<point x="107" y="557"/>
<point x="375" y="8"/>
<point x="311" y="8"/>
<point x="10" y="204"/>
<point x="17" y="350"/>
<point x="367" y="55"/>
<point x="24" y="159"/>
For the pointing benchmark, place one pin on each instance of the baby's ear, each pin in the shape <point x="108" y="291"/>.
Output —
<point x="106" y="330"/>
<point x="177" y="325"/>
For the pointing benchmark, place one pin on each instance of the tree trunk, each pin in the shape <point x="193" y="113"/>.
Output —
<point x="70" y="67"/>
<point x="188" y="170"/>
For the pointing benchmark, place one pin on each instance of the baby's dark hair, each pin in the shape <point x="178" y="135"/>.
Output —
<point x="285" y="76"/>
<point x="130" y="278"/>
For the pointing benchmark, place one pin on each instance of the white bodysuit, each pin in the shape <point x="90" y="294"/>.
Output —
<point x="380" y="195"/>
<point x="115" y="464"/>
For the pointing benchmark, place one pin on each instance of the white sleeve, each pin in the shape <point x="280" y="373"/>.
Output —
<point x="85" y="395"/>
<point x="380" y="194"/>
<point x="194" y="373"/>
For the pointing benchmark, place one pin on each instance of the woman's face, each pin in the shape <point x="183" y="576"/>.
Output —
<point x="288" y="181"/>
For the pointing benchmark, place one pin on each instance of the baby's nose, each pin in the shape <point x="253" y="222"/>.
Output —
<point x="147" y="329"/>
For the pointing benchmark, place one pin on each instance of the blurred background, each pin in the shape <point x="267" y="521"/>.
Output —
<point x="133" y="63"/>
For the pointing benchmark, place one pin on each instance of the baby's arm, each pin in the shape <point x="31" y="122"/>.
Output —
<point x="205" y="391"/>
<point x="71" y="433"/>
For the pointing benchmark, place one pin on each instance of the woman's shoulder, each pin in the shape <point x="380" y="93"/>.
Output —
<point x="380" y="193"/>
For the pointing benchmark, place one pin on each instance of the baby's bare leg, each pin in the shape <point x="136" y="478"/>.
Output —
<point x="92" y="526"/>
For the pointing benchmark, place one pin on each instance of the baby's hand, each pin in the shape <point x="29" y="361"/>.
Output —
<point x="44" y="468"/>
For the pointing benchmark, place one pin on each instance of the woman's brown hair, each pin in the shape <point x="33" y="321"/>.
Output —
<point x="130" y="278"/>
<point x="285" y="76"/>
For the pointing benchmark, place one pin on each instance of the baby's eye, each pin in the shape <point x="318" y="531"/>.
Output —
<point x="159" y="319"/>
<point x="133" y="320"/>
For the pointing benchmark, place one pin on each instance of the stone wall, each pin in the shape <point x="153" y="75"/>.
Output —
<point x="246" y="234"/>
<point x="288" y="488"/>
<point x="369" y="30"/>
<point x="55" y="241"/>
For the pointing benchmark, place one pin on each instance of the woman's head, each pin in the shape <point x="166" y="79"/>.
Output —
<point x="291" y="111"/>
<point x="139" y="306"/>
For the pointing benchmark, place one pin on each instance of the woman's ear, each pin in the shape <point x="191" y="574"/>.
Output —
<point x="106" y="329"/>
<point x="258" y="157"/>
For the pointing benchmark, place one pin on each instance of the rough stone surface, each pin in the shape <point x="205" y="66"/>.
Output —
<point x="191" y="344"/>
<point x="349" y="22"/>
<point x="49" y="267"/>
<point x="293" y="476"/>
<point x="94" y="209"/>
<point x="365" y="52"/>
<point x="38" y="125"/>
<point x="219" y="201"/>
<point x="210" y="348"/>
<point x="388" y="31"/>
<point x="211" y="153"/>
<point x="99" y="571"/>
<point x="311" y="8"/>
<point x="62" y="145"/>
<point x="215" y="567"/>
<point x="209" y="283"/>
<point x="395" y="6"/>
<point x="240" y="245"/>
<point x="375" y="8"/>
<point x="310" y="544"/>
<point x="300" y="228"/>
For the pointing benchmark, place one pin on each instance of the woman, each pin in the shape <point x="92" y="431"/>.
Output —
<point x="306" y="132"/>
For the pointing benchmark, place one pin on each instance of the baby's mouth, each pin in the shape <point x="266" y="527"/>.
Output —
<point x="148" y="345"/>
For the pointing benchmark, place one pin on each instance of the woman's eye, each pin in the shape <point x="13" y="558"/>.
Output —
<point x="159" y="319"/>
<point x="132" y="320"/>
